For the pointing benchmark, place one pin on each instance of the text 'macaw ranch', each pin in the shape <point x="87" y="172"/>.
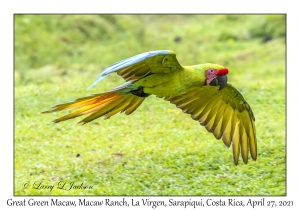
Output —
<point x="141" y="202"/>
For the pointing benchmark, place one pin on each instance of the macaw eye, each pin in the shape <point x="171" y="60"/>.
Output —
<point x="211" y="70"/>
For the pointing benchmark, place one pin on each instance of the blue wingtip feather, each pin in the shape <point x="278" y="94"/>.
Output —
<point x="99" y="78"/>
<point x="127" y="62"/>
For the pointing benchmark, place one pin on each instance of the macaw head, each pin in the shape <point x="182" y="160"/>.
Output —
<point x="216" y="76"/>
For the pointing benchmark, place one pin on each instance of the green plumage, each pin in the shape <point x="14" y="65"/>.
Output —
<point x="222" y="110"/>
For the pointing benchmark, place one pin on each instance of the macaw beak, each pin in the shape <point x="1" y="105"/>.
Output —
<point x="219" y="80"/>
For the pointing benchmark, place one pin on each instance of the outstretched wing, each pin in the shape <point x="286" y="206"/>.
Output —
<point x="225" y="113"/>
<point x="138" y="66"/>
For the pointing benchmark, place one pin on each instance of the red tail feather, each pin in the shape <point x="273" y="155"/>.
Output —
<point x="105" y="104"/>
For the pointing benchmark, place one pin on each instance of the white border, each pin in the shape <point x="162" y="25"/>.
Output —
<point x="153" y="6"/>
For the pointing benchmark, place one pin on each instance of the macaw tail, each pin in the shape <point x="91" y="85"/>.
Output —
<point x="105" y="104"/>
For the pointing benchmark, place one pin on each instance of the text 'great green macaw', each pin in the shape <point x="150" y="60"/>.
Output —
<point x="200" y="90"/>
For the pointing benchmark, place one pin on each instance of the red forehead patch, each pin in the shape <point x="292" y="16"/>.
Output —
<point x="222" y="72"/>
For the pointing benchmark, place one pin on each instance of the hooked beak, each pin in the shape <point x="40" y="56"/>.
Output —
<point x="219" y="80"/>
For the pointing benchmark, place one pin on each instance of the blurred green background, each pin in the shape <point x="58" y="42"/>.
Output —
<point x="157" y="150"/>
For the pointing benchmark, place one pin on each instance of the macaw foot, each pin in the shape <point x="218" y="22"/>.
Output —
<point x="140" y="92"/>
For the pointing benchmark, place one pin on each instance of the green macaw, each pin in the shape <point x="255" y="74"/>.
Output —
<point x="199" y="90"/>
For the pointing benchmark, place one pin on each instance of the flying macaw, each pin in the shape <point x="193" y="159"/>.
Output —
<point x="199" y="90"/>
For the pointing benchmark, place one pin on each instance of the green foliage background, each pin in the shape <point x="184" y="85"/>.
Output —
<point x="157" y="150"/>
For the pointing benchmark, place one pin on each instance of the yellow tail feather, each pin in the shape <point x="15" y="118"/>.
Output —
<point x="105" y="104"/>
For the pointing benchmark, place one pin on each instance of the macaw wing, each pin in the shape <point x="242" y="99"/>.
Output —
<point x="139" y="66"/>
<point x="225" y="113"/>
